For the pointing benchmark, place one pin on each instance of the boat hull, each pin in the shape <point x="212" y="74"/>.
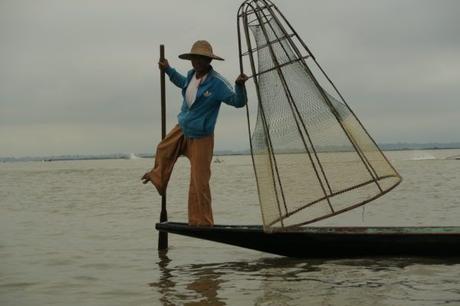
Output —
<point x="331" y="242"/>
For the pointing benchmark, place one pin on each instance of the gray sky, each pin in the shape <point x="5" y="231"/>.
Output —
<point x="80" y="76"/>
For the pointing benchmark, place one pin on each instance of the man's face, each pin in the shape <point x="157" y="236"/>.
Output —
<point x="200" y="63"/>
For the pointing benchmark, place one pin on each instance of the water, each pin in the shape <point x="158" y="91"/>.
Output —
<point x="82" y="233"/>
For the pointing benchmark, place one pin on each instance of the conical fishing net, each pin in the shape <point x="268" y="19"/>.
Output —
<point x="312" y="157"/>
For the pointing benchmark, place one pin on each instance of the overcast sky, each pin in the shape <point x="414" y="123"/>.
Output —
<point x="80" y="76"/>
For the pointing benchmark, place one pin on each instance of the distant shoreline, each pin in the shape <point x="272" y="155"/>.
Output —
<point x="131" y="156"/>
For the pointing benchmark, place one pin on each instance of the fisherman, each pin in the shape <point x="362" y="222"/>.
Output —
<point x="203" y="91"/>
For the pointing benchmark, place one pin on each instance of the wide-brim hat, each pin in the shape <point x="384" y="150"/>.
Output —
<point x="203" y="48"/>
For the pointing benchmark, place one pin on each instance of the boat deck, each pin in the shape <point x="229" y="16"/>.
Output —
<point x="331" y="242"/>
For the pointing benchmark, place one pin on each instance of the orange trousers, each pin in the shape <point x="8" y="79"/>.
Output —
<point x="199" y="151"/>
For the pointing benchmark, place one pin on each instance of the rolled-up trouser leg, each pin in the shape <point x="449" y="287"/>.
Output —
<point x="200" y="152"/>
<point x="168" y="150"/>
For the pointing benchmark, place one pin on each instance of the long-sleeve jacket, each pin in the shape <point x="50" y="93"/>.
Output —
<point x="199" y="120"/>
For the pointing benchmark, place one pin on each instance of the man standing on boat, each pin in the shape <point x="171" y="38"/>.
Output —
<point x="203" y="91"/>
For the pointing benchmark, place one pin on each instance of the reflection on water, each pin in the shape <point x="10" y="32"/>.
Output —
<point x="165" y="285"/>
<point x="287" y="281"/>
<point x="204" y="285"/>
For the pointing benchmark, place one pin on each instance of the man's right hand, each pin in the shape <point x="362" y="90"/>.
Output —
<point x="163" y="64"/>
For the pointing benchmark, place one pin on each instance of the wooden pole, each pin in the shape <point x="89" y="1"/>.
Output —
<point x="163" y="236"/>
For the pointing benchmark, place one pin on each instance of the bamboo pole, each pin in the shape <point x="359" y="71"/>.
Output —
<point x="163" y="236"/>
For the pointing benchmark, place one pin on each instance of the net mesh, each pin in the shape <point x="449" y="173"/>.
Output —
<point x="312" y="157"/>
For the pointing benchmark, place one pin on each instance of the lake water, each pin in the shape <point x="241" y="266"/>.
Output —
<point x="82" y="233"/>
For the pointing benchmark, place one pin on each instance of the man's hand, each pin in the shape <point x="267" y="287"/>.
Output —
<point x="241" y="79"/>
<point x="146" y="178"/>
<point x="163" y="64"/>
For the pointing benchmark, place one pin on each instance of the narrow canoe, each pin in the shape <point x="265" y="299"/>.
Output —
<point x="331" y="242"/>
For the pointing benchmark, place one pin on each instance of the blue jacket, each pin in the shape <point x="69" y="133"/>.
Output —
<point x="199" y="120"/>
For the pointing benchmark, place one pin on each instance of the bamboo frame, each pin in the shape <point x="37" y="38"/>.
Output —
<point x="263" y="13"/>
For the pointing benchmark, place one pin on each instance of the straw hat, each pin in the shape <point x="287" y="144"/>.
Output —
<point x="203" y="48"/>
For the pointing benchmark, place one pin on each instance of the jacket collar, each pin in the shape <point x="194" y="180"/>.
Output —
<point x="209" y="75"/>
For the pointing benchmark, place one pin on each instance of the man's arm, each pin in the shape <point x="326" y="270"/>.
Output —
<point x="175" y="77"/>
<point x="237" y="98"/>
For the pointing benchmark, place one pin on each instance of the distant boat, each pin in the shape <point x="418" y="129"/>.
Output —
<point x="217" y="161"/>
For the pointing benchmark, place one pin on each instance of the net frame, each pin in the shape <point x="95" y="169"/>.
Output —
<point x="263" y="14"/>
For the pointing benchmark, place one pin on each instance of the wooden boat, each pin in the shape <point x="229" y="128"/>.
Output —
<point x="312" y="158"/>
<point x="331" y="242"/>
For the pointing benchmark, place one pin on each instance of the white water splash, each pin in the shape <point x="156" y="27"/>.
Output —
<point x="132" y="156"/>
<point x="418" y="155"/>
